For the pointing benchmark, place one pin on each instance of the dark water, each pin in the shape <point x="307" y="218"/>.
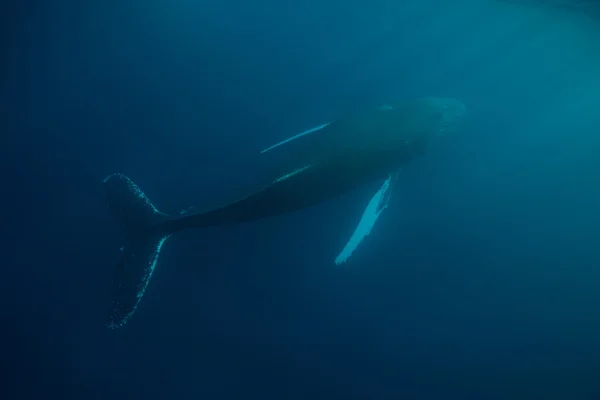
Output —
<point x="480" y="282"/>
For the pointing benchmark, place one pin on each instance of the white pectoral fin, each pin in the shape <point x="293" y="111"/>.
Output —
<point x="378" y="203"/>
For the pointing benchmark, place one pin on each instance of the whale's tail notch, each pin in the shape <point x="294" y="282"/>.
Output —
<point x="138" y="219"/>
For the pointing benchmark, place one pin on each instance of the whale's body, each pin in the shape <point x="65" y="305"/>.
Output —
<point x="324" y="163"/>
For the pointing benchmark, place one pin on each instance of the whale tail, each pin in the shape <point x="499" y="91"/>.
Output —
<point x="136" y="216"/>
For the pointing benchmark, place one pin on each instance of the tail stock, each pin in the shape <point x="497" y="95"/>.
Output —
<point x="136" y="215"/>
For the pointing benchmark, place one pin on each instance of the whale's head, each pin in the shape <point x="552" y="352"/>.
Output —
<point x="448" y="111"/>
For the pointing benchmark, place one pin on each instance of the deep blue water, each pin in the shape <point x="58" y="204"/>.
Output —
<point x="480" y="282"/>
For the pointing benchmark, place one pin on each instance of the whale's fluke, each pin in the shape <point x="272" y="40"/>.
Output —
<point x="136" y="216"/>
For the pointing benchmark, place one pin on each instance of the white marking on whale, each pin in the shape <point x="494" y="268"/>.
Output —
<point x="295" y="137"/>
<point x="295" y="172"/>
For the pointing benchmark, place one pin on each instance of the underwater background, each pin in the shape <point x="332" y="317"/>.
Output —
<point x="480" y="282"/>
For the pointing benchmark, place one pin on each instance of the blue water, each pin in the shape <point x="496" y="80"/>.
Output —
<point x="479" y="282"/>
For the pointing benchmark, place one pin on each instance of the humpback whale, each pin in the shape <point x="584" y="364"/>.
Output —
<point x="321" y="163"/>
